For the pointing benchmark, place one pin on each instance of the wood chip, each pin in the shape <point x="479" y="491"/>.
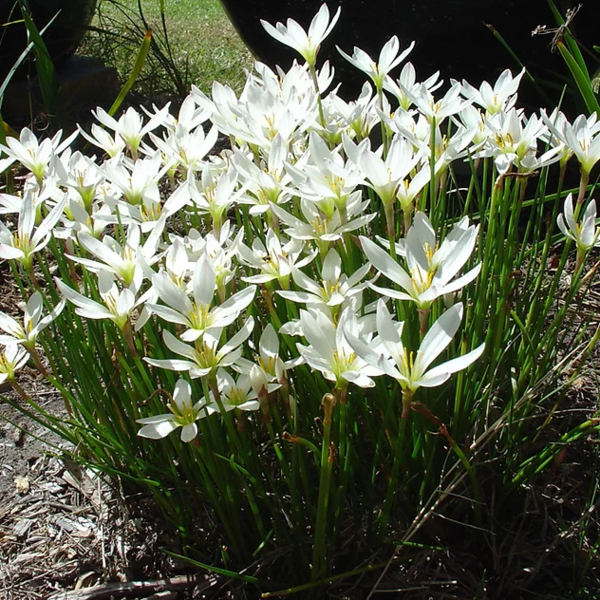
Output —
<point x="22" y="484"/>
<point x="21" y="527"/>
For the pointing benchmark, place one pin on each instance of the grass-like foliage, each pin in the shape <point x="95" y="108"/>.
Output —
<point x="300" y="346"/>
<point x="192" y="42"/>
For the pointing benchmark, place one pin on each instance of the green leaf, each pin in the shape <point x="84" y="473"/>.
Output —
<point x="139" y="64"/>
<point x="582" y="79"/>
<point x="53" y="100"/>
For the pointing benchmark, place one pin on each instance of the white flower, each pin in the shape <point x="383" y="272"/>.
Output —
<point x="513" y="140"/>
<point x="333" y="290"/>
<point x="112" y="145"/>
<point x="215" y="193"/>
<point x="275" y="260"/>
<point x="582" y="138"/>
<point x="32" y="154"/>
<point x="130" y="125"/>
<point x="198" y="314"/>
<point x="408" y="81"/>
<point x="431" y="269"/>
<point x="118" y="303"/>
<point x="128" y="262"/>
<point x="268" y="106"/>
<point x="265" y="182"/>
<point x="502" y="97"/>
<point x="183" y="414"/>
<point x="318" y="226"/>
<point x="388" y="59"/>
<point x="33" y="322"/>
<point x="12" y="358"/>
<point x="81" y="174"/>
<point x="205" y="357"/>
<point x="431" y="108"/>
<point x="186" y="149"/>
<point x="584" y="233"/>
<point x="306" y="44"/>
<point x="330" y="352"/>
<point x="140" y="181"/>
<point x="26" y="242"/>
<point x="391" y="356"/>
<point x="327" y="180"/>
<point x="268" y="359"/>
<point x="240" y="394"/>
<point x="385" y="175"/>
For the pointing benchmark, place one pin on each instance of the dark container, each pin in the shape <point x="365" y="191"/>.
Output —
<point x="62" y="37"/>
<point x="451" y="35"/>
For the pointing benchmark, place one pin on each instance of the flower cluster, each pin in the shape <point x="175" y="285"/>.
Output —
<point x="305" y="227"/>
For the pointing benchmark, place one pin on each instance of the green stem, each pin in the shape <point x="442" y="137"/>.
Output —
<point x="319" y="565"/>
<point x="398" y="451"/>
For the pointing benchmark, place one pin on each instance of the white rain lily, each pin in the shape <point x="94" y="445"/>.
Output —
<point x="12" y="358"/>
<point x="198" y="313"/>
<point x="388" y="59"/>
<point x="128" y="262"/>
<point x="317" y="226"/>
<point x="118" y="304"/>
<point x="130" y="125"/>
<point x="582" y="138"/>
<point x="306" y="44"/>
<point x="408" y="81"/>
<point x="412" y="372"/>
<point x="215" y="193"/>
<point x="584" y="232"/>
<point x="330" y="352"/>
<point x="185" y="143"/>
<point x="240" y="394"/>
<point x="189" y="117"/>
<point x="432" y="269"/>
<point x="328" y="180"/>
<point x="146" y="215"/>
<point x="268" y="359"/>
<point x="33" y="322"/>
<point x="113" y="145"/>
<point x="439" y="110"/>
<point x="183" y="414"/>
<point x="473" y="119"/>
<point x="243" y="393"/>
<point x="81" y="174"/>
<point x="334" y="289"/>
<point x="140" y="181"/>
<point x="32" y="154"/>
<point x="385" y="175"/>
<point x="514" y="139"/>
<point x="501" y="97"/>
<point x="268" y="106"/>
<point x="205" y="357"/>
<point x="76" y="219"/>
<point x="274" y="259"/>
<point x="23" y="244"/>
<point x="556" y="121"/>
<point x="265" y="183"/>
<point x="355" y="118"/>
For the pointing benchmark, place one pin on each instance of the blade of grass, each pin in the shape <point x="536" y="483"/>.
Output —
<point x="139" y="64"/>
<point x="582" y="79"/>
<point x="47" y="77"/>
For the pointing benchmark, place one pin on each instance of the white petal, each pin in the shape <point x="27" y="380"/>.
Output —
<point x="437" y="339"/>
<point x="157" y="431"/>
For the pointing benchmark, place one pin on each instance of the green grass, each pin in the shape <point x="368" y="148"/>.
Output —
<point x="203" y="44"/>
